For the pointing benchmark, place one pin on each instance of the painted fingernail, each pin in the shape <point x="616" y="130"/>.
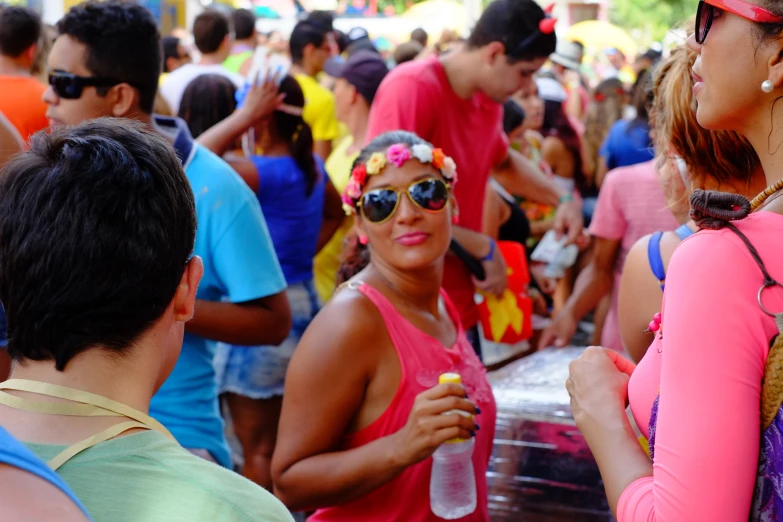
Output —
<point x="478" y="410"/>
<point x="478" y="427"/>
<point x="472" y="433"/>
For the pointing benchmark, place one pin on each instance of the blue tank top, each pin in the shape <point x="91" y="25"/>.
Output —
<point x="13" y="453"/>
<point x="654" y="252"/>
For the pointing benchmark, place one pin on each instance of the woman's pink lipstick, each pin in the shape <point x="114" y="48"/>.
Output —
<point x="698" y="83"/>
<point x="413" y="239"/>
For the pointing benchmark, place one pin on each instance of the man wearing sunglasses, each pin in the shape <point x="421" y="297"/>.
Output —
<point x="105" y="62"/>
<point x="454" y="102"/>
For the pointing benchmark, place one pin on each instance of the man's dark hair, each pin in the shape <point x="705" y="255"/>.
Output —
<point x="513" y="22"/>
<point x="20" y="28"/>
<point x="323" y="20"/>
<point x="305" y="33"/>
<point x="170" y="45"/>
<point x="421" y="36"/>
<point x="244" y="23"/>
<point x="210" y="29"/>
<point x="123" y="43"/>
<point x="97" y="223"/>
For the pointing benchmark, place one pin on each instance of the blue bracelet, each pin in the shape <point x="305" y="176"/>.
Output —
<point x="565" y="198"/>
<point x="491" y="255"/>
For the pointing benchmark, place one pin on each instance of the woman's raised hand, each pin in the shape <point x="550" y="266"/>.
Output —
<point x="262" y="98"/>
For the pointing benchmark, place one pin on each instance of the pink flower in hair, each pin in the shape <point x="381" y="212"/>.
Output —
<point x="353" y="190"/>
<point x="398" y="154"/>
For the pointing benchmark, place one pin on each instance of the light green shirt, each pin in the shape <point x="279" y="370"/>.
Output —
<point x="145" y="477"/>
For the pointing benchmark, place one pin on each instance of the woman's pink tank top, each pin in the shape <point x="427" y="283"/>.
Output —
<point x="422" y="360"/>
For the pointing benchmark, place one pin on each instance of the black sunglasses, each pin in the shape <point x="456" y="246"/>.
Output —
<point x="705" y="14"/>
<point x="70" y="86"/>
<point x="380" y="204"/>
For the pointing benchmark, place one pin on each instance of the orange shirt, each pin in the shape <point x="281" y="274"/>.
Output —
<point x="21" y="103"/>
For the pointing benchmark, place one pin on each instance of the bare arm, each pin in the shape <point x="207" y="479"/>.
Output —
<point x="601" y="172"/>
<point x="520" y="177"/>
<point x="323" y="149"/>
<point x="324" y="394"/>
<point x="333" y="217"/>
<point x="639" y="298"/>
<point x="10" y="141"/>
<point x="261" y="321"/>
<point x="593" y="283"/>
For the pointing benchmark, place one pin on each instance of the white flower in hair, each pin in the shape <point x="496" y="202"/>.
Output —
<point x="422" y="152"/>
<point x="449" y="168"/>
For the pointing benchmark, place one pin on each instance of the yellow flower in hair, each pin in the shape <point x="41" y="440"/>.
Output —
<point x="376" y="163"/>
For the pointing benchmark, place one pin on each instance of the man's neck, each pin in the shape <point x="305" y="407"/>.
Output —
<point x="211" y="59"/>
<point x="304" y="68"/>
<point x="357" y="125"/>
<point x="125" y="379"/>
<point x="461" y="67"/>
<point x="12" y="67"/>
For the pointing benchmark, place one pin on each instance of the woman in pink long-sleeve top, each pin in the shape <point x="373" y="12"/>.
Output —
<point x="706" y="365"/>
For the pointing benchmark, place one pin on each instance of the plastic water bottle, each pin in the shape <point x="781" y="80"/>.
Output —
<point x="453" y="482"/>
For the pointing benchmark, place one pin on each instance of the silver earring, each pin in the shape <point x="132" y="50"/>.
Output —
<point x="767" y="86"/>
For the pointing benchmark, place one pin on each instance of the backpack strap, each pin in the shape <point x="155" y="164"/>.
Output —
<point x="715" y="210"/>
<point x="655" y="258"/>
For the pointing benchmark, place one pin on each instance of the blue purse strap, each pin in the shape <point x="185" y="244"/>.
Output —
<point x="655" y="259"/>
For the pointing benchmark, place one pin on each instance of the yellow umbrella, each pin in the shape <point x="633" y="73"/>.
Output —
<point x="598" y="34"/>
<point x="446" y="14"/>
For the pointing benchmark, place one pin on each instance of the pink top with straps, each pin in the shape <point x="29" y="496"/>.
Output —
<point x="422" y="360"/>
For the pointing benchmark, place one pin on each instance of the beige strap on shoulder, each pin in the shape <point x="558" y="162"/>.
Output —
<point x="84" y="404"/>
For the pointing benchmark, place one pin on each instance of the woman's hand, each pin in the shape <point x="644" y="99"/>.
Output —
<point x="496" y="279"/>
<point x="262" y="99"/>
<point x="427" y="428"/>
<point x="598" y="386"/>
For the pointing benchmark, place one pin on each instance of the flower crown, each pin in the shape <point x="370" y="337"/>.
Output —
<point x="397" y="155"/>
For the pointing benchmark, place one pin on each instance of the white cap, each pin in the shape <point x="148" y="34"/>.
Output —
<point x="551" y="90"/>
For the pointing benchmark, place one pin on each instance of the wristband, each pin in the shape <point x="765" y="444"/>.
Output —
<point x="491" y="255"/>
<point x="565" y="198"/>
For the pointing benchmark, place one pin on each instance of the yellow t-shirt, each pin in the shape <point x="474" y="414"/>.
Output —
<point x="318" y="109"/>
<point x="327" y="262"/>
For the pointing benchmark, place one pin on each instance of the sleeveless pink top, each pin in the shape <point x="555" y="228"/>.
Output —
<point x="422" y="360"/>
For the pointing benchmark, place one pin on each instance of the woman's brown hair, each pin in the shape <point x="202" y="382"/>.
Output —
<point x="725" y="156"/>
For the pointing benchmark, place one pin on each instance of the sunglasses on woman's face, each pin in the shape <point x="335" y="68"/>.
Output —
<point x="70" y="86"/>
<point x="707" y="9"/>
<point x="431" y="195"/>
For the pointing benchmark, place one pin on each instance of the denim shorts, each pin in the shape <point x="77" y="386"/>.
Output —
<point x="258" y="372"/>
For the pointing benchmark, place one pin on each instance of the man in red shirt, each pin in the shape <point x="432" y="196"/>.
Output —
<point x="455" y="102"/>
<point x="20" y="92"/>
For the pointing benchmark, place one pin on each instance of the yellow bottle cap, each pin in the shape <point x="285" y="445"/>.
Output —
<point x="453" y="378"/>
<point x="450" y="378"/>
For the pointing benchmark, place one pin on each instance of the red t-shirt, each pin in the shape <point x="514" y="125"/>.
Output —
<point x="21" y="103"/>
<point x="417" y="97"/>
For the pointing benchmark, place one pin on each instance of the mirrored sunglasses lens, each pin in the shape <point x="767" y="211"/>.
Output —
<point x="379" y="204"/>
<point x="430" y="194"/>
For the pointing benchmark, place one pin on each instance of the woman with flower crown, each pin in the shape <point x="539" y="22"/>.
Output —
<point x="362" y="409"/>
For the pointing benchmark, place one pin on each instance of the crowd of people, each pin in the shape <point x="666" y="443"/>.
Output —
<point x="219" y="234"/>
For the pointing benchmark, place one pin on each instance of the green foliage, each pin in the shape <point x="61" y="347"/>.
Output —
<point x="651" y="18"/>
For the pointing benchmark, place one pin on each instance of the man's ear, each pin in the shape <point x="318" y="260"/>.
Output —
<point x="31" y="53"/>
<point x="185" y="296"/>
<point x="492" y="52"/>
<point x="125" y="100"/>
